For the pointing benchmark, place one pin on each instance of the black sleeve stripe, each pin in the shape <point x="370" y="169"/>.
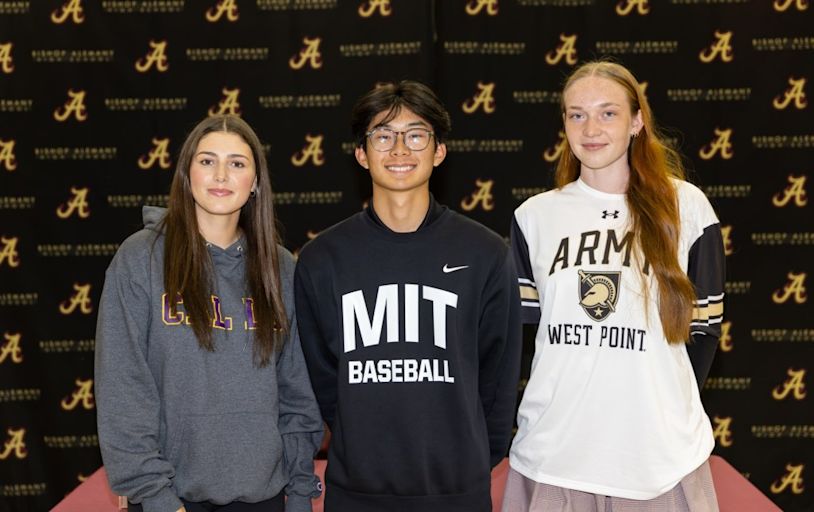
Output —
<point x="520" y="253"/>
<point x="706" y="270"/>
<point x="529" y="297"/>
<point x="706" y="265"/>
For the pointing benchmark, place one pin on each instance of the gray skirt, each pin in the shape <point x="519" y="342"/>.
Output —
<point x="694" y="493"/>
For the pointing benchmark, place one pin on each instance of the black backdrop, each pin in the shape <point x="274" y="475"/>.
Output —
<point x="96" y="97"/>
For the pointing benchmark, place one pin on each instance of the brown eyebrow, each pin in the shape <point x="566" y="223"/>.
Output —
<point x="230" y="155"/>
<point x="602" y="105"/>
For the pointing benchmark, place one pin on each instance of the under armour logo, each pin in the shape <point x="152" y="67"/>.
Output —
<point x="606" y="214"/>
<point x="447" y="269"/>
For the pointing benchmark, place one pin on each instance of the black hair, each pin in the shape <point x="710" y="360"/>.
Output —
<point x="391" y="98"/>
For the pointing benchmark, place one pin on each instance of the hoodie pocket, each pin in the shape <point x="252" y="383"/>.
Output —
<point x="228" y="457"/>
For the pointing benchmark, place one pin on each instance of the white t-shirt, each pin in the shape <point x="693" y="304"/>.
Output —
<point x="610" y="407"/>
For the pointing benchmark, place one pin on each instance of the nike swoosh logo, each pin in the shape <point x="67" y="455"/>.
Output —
<point x="447" y="269"/>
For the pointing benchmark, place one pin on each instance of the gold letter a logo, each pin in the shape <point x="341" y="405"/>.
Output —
<point x="80" y="299"/>
<point x="722" y="47"/>
<point x="227" y="7"/>
<point x="73" y="9"/>
<point x="793" y="479"/>
<point x="794" y="93"/>
<point x="75" y="105"/>
<point x="7" y="157"/>
<point x="6" y="60"/>
<point x="159" y="154"/>
<point x="484" y="98"/>
<point x="15" y="444"/>
<point x="157" y="56"/>
<point x="312" y="151"/>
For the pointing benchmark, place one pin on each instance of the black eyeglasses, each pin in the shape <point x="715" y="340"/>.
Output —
<point x="384" y="139"/>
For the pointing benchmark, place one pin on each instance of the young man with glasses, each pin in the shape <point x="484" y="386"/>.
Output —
<point x="408" y="316"/>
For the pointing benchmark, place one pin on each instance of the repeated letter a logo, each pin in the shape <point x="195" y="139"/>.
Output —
<point x="485" y="98"/>
<point x="309" y="54"/>
<point x="80" y="299"/>
<point x="722" y="47"/>
<point x="482" y="196"/>
<point x="11" y="348"/>
<point x="795" y="385"/>
<point x="792" y="479"/>
<point x="7" y="157"/>
<point x="723" y="431"/>
<point x="795" y="93"/>
<point x="796" y="191"/>
<point x="159" y="154"/>
<point x="553" y="153"/>
<point x="6" y="59"/>
<point x="721" y="144"/>
<point x="83" y="394"/>
<point x="566" y="50"/>
<point x="783" y="5"/>
<point x="475" y="7"/>
<point x="78" y="203"/>
<point x="156" y="56"/>
<point x="9" y="253"/>
<point x="725" y="342"/>
<point x="74" y="105"/>
<point x="15" y="444"/>
<point x="228" y="105"/>
<point x="223" y="7"/>
<point x="312" y="150"/>
<point x="72" y="8"/>
<point x="726" y="234"/>
<point x="366" y="9"/>
<point x="795" y="288"/>
<point x="625" y="7"/>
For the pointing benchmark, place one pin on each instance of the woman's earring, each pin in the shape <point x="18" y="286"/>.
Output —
<point x="253" y="192"/>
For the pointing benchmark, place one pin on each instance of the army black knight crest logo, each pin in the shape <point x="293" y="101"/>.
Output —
<point x="599" y="293"/>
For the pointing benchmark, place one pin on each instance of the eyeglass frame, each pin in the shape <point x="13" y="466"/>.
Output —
<point x="403" y="134"/>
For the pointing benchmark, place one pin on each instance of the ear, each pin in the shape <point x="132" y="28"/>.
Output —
<point x="440" y="154"/>
<point x="254" y="185"/>
<point x="637" y="123"/>
<point x="361" y="157"/>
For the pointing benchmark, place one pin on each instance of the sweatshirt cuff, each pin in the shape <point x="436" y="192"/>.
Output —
<point x="297" y="503"/>
<point x="164" y="501"/>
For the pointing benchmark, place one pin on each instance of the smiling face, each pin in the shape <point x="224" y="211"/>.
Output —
<point x="599" y="124"/>
<point x="400" y="169"/>
<point x="221" y="177"/>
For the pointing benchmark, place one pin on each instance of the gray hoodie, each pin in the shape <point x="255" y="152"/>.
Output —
<point x="176" y="420"/>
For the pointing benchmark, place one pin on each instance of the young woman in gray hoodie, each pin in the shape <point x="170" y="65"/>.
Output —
<point x="203" y="398"/>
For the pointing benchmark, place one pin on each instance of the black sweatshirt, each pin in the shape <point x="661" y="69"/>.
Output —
<point x="413" y="344"/>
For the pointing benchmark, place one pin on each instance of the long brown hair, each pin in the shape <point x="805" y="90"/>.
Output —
<point x="187" y="264"/>
<point x="651" y="199"/>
